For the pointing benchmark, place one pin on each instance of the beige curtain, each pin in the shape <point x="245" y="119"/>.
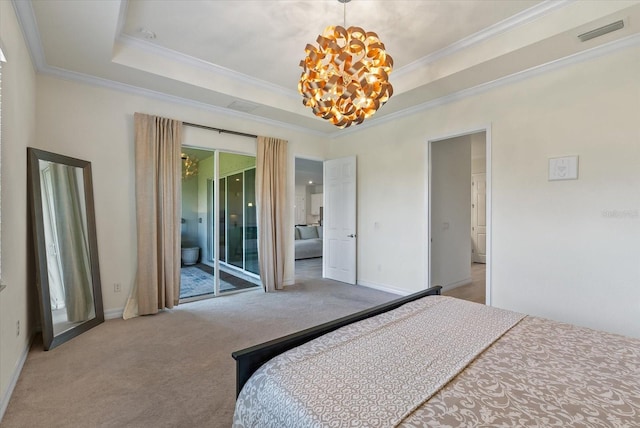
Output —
<point x="158" y="172"/>
<point x="271" y="178"/>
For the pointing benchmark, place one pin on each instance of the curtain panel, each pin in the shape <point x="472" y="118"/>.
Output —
<point x="271" y="178"/>
<point x="158" y="143"/>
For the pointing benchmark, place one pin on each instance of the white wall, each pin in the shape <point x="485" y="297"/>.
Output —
<point x="478" y="152"/>
<point x="189" y="225"/>
<point x="450" y="212"/>
<point x="96" y="124"/>
<point x="18" y="302"/>
<point x="564" y="250"/>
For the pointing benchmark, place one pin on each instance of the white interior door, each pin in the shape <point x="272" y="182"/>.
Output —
<point x="339" y="249"/>
<point x="479" y="218"/>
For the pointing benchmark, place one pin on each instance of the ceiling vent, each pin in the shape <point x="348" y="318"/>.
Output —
<point x="601" y="31"/>
<point x="243" y="106"/>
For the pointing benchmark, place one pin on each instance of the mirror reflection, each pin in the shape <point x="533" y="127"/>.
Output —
<point x="65" y="244"/>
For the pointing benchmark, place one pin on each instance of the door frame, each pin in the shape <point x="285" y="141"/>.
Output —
<point x="447" y="136"/>
<point x="290" y="273"/>
<point x="475" y="227"/>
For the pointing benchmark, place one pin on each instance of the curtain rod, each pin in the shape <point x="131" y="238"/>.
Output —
<point x="221" y="131"/>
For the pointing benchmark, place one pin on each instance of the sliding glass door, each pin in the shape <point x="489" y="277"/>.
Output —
<point x="219" y="224"/>
<point x="235" y="220"/>
<point x="238" y="244"/>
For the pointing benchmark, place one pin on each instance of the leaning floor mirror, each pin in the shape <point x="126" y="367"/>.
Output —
<point x="66" y="252"/>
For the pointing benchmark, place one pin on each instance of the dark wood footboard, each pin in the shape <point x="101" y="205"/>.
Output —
<point x="248" y="360"/>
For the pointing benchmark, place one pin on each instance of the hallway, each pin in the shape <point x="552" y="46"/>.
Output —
<point x="474" y="292"/>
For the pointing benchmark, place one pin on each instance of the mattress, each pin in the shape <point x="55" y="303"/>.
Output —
<point x="441" y="361"/>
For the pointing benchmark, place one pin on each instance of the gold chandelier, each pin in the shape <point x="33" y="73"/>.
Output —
<point x="345" y="79"/>
<point x="189" y="166"/>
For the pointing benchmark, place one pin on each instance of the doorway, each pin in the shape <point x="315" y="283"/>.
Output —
<point x="459" y="226"/>
<point x="309" y="214"/>
<point x="218" y="224"/>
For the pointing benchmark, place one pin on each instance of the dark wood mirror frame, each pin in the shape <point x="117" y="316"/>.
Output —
<point x="49" y="339"/>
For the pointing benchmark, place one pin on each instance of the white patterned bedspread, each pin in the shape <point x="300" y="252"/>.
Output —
<point x="405" y="370"/>
<point x="374" y="373"/>
<point x="543" y="373"/>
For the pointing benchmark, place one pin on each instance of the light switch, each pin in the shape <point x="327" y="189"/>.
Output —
<point x="564" y="168"/>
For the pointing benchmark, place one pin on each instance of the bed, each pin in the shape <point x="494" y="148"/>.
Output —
<point x="430" y="360"/>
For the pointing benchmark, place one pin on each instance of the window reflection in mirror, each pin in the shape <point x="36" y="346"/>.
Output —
<point x="67" y="250"/>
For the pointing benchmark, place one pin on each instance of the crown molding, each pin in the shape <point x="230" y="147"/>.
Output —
<point x="161" y="96"/>
<point x="585" y="55"/>
<point x="191" y="61"/>
<point x="122" y="16"/>
<point x="588" y="54"/>
<point x="137" y="43"/>
<point x="26" y="17"/>
<point x="29" y="26"/>
<point x="514" y="21"/>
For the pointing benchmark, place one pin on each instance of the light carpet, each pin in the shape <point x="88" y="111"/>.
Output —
<point x="173" y="369"/>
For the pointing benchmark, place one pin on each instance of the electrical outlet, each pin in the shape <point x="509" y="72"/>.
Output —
<point x="117" y="287"/>
<point x="18" y="328"/>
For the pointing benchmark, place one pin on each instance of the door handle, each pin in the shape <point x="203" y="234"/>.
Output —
<point x="351" y="236"/>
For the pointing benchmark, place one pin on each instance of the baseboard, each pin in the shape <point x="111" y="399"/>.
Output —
<point x="385" y="288"/>
<point x="14" y="377"/>
<point x="113" y="314"/>
<point x="457" y="284"/>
